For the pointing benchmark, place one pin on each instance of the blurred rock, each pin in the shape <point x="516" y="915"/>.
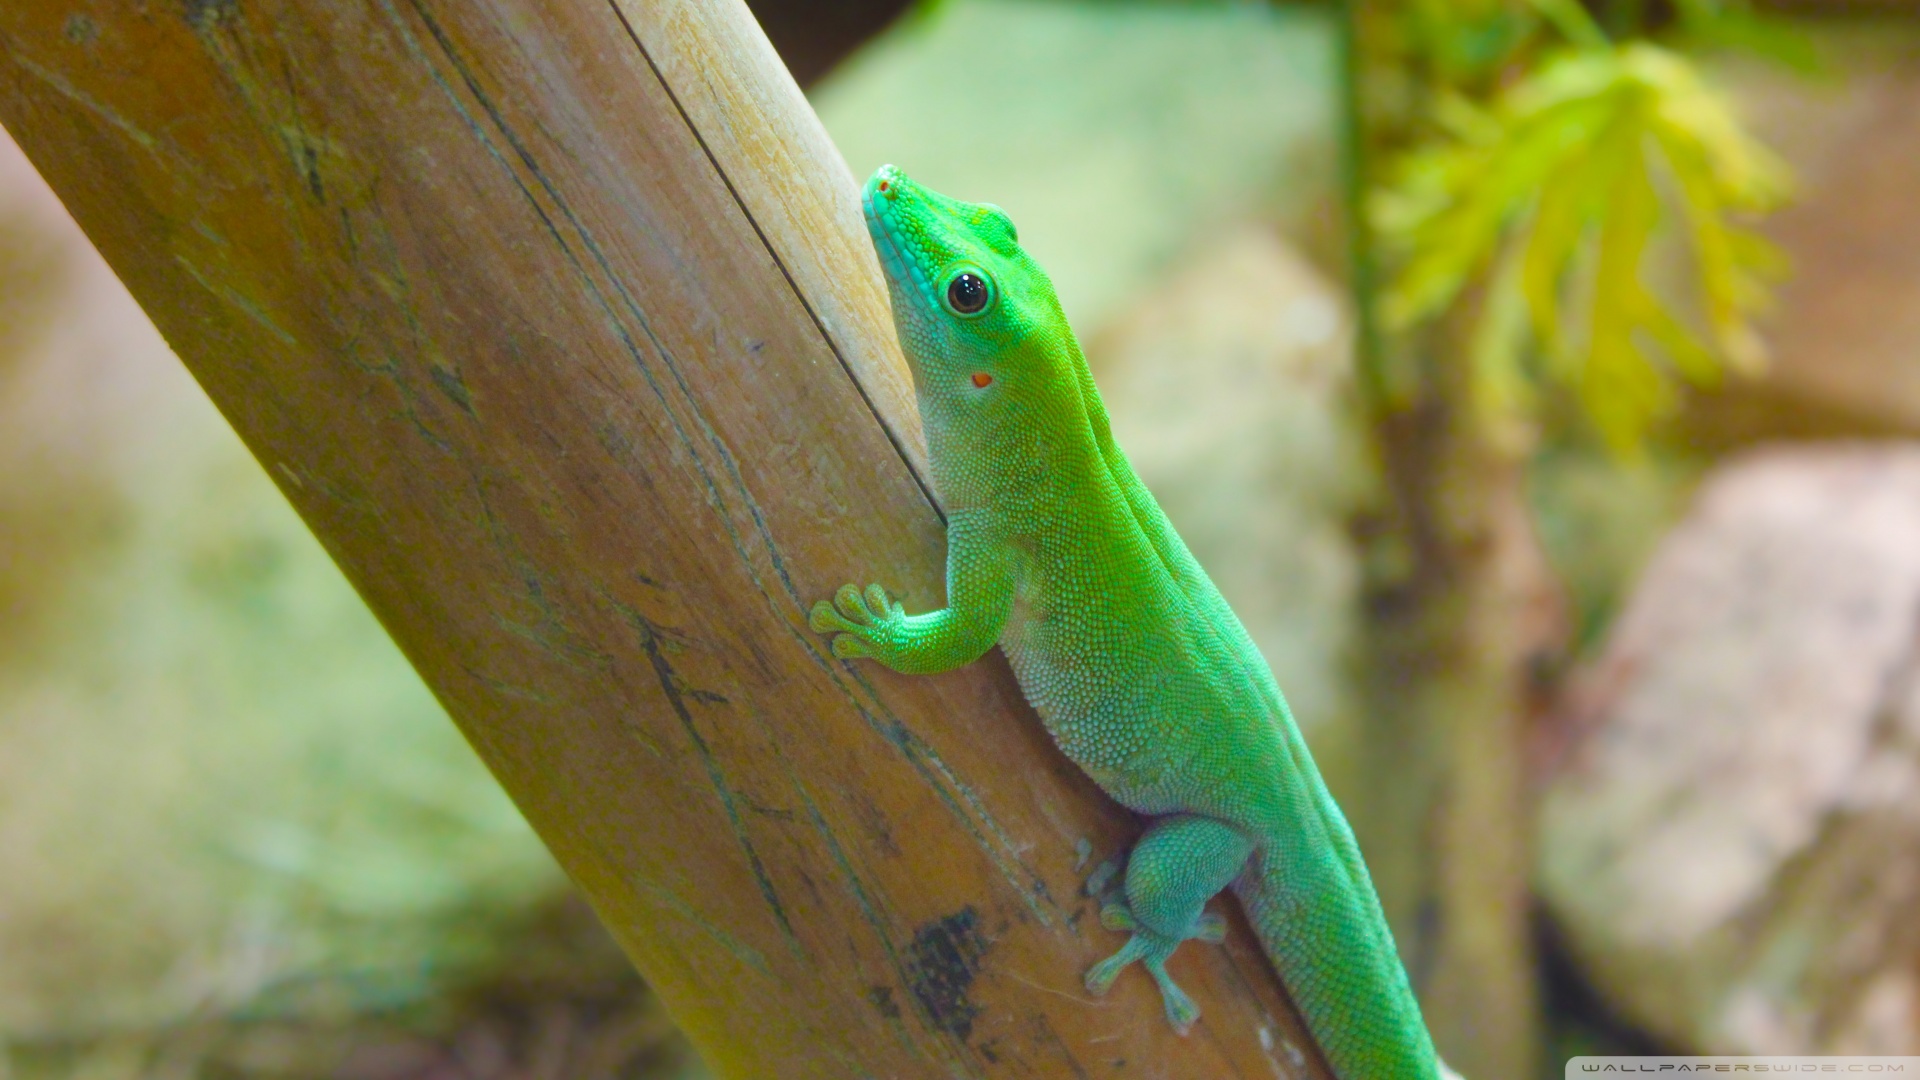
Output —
<point x="221" y="787"/>
<point x="1732" y="845"/>
<point x="1229" y="393"/>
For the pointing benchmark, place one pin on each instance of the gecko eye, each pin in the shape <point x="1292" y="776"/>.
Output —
<point x="968" y="293"/>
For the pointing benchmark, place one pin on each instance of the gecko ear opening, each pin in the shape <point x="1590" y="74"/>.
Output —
<point x="1000" y="218"/>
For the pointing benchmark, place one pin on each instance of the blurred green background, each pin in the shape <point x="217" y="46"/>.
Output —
<point x="1585" y="540"/>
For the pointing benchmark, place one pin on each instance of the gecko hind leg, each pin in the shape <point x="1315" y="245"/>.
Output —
<point x="1209" y="927"/>
<point x="1181" y="862"/>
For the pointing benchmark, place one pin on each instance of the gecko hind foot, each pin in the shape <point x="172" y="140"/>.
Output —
<point x="1151" y="950"/>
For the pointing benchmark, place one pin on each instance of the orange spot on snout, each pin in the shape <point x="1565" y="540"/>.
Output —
<point x="883" y="185"/>
<point x="981" y="378"/>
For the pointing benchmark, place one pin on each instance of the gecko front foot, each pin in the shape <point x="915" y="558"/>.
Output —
<point x="862" y="624"/>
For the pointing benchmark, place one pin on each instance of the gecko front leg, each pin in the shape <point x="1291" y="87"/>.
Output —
<point x="980" y="584"/>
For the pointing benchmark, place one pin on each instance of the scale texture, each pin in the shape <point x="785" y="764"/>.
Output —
<point x="1139" y="669"/>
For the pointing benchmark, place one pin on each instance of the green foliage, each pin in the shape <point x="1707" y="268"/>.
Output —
<point x="1543" y="208"/>
<point x="1733" y="24"/>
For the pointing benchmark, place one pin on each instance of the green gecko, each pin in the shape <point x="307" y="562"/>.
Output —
<point x="1141" y="672"/>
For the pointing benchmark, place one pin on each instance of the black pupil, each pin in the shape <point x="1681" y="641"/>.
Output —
<point x="967" y="294"/>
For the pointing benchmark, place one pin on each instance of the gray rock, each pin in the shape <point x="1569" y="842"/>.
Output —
<point x="1732" y="846"/>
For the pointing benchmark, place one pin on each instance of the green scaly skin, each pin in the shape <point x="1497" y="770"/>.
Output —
<point x="1142" y="674"/>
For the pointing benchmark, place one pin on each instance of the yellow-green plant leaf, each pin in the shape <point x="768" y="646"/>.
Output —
<point x="1552" y="197"/>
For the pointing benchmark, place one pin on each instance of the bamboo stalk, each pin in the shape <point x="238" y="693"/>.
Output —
<point x="557" y="324"/>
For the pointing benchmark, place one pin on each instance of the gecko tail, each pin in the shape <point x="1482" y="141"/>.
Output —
<point x="1325" y="934"/>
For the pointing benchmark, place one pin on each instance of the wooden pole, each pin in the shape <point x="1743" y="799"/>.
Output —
<point x="557" y="323"/>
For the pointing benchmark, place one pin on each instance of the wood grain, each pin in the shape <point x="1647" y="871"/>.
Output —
<point x="557" y="324"/>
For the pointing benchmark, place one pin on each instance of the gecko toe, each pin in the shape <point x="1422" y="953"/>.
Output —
<point x="1210" y="928"/>
<point x="1181" y="1011"/>
<point x="1152" y="950"/>
<point x="1100" y="976"/>
<point x="851" y="604"/>
<point x="1103" y="877"/>
<point x="824" y="620"/>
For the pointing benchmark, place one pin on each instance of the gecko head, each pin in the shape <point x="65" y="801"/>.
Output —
<point x="977" y="317"/>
